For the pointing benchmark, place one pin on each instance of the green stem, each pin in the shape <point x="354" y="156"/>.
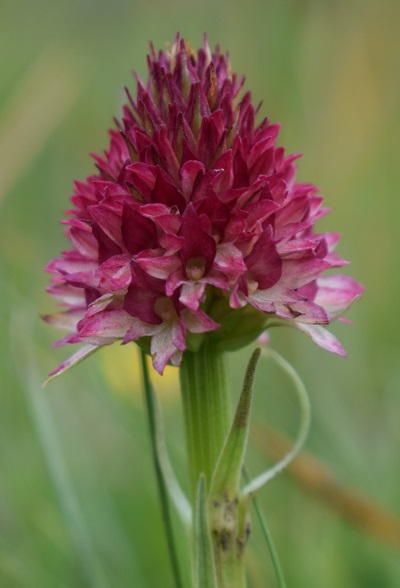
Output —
<point x="207" y="416"/>
<point x="206" y="406"/>
<point x="150" y="406"/>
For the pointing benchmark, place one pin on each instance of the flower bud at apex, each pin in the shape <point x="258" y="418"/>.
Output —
<point x="195" y="268"/>
<point x="192" y="197"/>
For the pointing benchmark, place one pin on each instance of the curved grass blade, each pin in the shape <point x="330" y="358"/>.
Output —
<point x="265" y="477"/>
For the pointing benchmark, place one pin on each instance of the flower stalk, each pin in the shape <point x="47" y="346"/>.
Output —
<point x="216" y="452"/>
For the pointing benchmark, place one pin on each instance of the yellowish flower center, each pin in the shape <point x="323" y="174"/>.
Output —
<point x="252" y="286"/>
<point x="195" y="268"/>
<point x="164" y="308"/>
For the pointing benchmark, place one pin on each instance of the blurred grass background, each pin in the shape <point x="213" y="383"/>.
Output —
<point x="329" y="71"/>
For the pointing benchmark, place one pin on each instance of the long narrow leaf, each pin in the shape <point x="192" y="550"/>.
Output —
<point x="265" y="477"/>
<point x="226" y="477"/>
<point x="268" y="539"/>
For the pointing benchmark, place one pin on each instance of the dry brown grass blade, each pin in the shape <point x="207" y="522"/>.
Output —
<point x="314" y="477"/>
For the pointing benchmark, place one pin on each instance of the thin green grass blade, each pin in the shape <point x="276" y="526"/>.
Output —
<point x="162" y="489"/>
<point x="305" y="419"/>
<point x="49" y="441"/>
<point x="176" y="493"/>
<point x="268" y="538"/>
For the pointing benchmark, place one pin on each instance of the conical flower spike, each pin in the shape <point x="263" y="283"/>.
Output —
<point x="193" y="225"/>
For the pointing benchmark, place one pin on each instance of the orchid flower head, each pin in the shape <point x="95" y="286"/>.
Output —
<point x="193" y="225"/>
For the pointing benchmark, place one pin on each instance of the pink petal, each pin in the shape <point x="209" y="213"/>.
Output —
<point x="70" y="296"/>
<point x="188" y="175"/>
<point x="138" y="232"/>
<point x="335" y="293"/>
<point x="71" y="263"/>
<point x="142" y="293"/>
<point x="309" y="312"/>
<point x="214" y="209"/>
<point x="115" y="273"/>
<point x="109" y="219"/>
<point x="224" y="180"/>
<point x="321" y="337"/>
<point x="143" y="178"/>
<point x="179" y="335"/>
<point x="211" y="131"/>
<point x="259" y="212"/>
<point x="198" y="322"/>
<point x="296" y="247"/>
<point x="155" y="210"/>
<point x="176" y="358"/>
<point x="104" y="328"/>
<point x="229" y="260"/>
<point x="83" y="239"/>
<point x="83" y="280"/>
<point x="106" y="247"/>
<point x="297" y="273"/>
<point x="99" y="305"/>
<point x="168" y="156"/>
<point x="166" y="192"/>
<point x="159" y="267"/>
<point x="76" y="358"/>
<point x="140" y="329"/>
<point x="265" y="300"/>
<point x="171" y="243"/>
<point x="65" y="320"/>
<point x="293" y="212"/>
<point x="162" y="347"/>
<point x="264" y="263"/>
<point x="217" y="279"/>
<point x="198" y="243"/>
<point x="191" y="293"/>
<point x="176" y="279"/>
<point x="238" y="299"/>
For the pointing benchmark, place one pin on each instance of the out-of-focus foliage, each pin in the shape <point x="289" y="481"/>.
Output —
<point x="329" y="72"/>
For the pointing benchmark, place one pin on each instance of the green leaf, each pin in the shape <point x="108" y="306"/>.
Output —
<point x="305" y="418"/>
<point x="205" y="576"/>
<point x="226" y="477"/>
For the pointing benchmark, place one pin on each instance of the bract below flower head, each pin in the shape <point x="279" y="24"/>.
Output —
<point x="194" y="225"/>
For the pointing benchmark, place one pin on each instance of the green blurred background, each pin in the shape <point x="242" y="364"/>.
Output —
<point x="329" y="71"/>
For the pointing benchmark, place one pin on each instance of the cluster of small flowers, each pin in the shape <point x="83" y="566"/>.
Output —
<point x="194" y="224"/>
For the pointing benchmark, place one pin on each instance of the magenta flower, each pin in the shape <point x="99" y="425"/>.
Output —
<point x="194" y="225"/>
